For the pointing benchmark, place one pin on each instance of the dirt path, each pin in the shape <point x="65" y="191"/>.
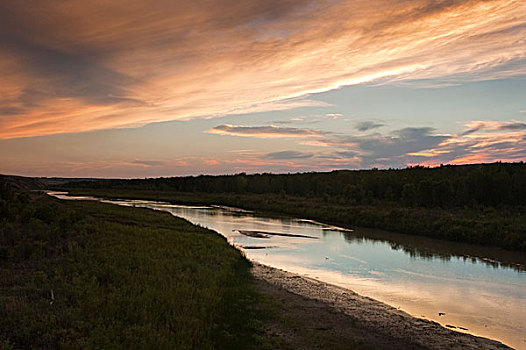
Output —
<point x="309" y="314"/>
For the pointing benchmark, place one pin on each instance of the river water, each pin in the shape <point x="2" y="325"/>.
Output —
<point x="468" y="288"/>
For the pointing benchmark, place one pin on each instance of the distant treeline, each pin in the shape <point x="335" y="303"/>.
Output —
<point x="489" y="185"/>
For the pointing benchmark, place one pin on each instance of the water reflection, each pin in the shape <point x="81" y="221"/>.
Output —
<point x="476" y="288"/>
<point x="429" y="248"/>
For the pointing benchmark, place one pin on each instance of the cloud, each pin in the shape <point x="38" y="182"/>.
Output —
<point x="288" y="155"/>
<point x="297" y="119"/>
<point x="291" y="120"/>
<point x="211" y="162"/>
<point x="364" y="150"/>
<point x="481" y="141"/>
<point x="108" y="168"/>
<point x="276" y="106"/>
<point x="513" y="126"/>
<point x="486" y="141"/>
<point x="307" y="150"/>
<point x="394" y="146"/>
<point x="334" y="115"/>
<point x="149" y="162"/>
<point x="76" y="66"/>
<point x="270" y="131"/>
<point x="345" y="154"/>
<point x="368" y="125"/>
<point x="475" y="126"/>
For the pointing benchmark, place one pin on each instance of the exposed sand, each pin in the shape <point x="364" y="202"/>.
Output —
<point x="379" y="319"/>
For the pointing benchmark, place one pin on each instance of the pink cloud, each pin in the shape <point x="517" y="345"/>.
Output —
<point x="482" y="141"/>
<point x="211" y="162"/>
<point x="76" y="66"/>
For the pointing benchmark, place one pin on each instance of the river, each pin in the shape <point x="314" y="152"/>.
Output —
<point x="468" y="288"/>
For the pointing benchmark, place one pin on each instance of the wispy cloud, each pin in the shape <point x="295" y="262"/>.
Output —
<point x="482" y="141"/>
<point x="148" y="163"/>
<point x="333" y="115"/>
<point x="475" y="126"/>
<point x="290" y="121"/>
<point x="76" y="65"/>
<point x="270" y="131"/>
<point x="513" y="126"/>
<point x="289" y="155"/>
<point x="275" y="106"/>
<point x="368" y="125"/>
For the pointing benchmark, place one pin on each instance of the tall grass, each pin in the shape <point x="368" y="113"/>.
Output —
<point x="90" y="275"/>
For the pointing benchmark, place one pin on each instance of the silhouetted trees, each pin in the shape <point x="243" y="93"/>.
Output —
<point x="497" y="184"/>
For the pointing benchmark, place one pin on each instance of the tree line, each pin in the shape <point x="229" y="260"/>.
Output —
<point x="447" y="186"/>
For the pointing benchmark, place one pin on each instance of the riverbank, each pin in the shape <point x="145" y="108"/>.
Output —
<point x="492" y="227"/>
<point x="422" y="296"/>
<point x="87" y="274"/>
<point x="326" y="313"/>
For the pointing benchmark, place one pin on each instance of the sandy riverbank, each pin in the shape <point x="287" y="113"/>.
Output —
<point x="374" y="324"/>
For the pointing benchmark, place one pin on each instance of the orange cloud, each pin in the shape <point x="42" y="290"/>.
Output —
<point x="211" y="162"/>
<point x="76" y="65"/>
<point x="482" y="141"/>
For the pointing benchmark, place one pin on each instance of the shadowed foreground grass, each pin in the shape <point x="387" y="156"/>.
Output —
<point x="90" y="275"/>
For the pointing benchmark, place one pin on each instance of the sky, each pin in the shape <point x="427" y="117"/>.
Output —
<point x="138" y="88"/>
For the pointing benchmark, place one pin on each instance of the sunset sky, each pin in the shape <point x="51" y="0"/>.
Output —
<point x="142" y="88"/>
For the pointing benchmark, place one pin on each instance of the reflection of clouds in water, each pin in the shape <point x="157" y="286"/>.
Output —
<point x="63" y="195"/>
<point x="467" y="280"/>
<point x="430" y="249"/>
<point x="285" y="262"/>
<point x="464" y="306"/>
<point x="348" y="257"/>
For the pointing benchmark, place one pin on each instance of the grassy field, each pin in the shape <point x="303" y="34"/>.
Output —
<point x="499" y="227"/>
<point x="88" y="275"/>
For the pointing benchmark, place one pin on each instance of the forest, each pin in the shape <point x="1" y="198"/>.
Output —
<point x="449" y="186"/>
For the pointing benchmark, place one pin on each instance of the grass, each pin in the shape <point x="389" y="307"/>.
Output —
<point x="90" y="275"/>
<point x="499" y="227"/>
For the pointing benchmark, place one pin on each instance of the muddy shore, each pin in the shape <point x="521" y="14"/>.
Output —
<point x="334" y="312"/>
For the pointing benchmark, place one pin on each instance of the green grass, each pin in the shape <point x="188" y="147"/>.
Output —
<point x="121" y="278"/>
<point x="500" y="227"/>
